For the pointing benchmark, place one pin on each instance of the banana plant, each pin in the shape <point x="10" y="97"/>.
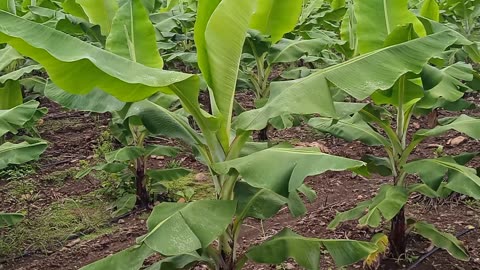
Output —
<point x="417" y="92"/>
<point x="247" y="182"/>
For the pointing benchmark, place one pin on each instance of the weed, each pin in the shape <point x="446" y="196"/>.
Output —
<point x="59" y="177"/>
<point x="16" y="172"/>
<point x="104" y="145"/>
<point x="54" y="225"/>
<point x="184" y="186"/>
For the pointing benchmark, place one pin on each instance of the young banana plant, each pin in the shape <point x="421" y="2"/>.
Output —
<point x="419" y="91"/>
<point x="251" y="180"/>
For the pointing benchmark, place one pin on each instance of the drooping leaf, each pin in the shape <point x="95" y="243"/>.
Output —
<point x="14" y="119"/>
<point x="17" y="74"/>
<point x="89" y="102"/>
<point x="283" y="170"/>
<point x="133" y="36"/>
<point x="276" y="17"/>
<point x="183" y="261"/>
<point x="350" y="129"/>
<point x="88" y="66"/>
<point x="306" y="251"/>
<point x="442" y="240"/>
<point x="20" y="153"/>
<point x="388" y="202"/>
<point x="257" y="203"/>
<point x="352" y="214"/>
<point x="460" y="178"/>
<point x="160" y="121"/>
<point x="311" y="94"/>
<point x="376" y="19"/>
<point x="7" y="56"/>
<point x="178" y="228"/>
<point x="288" y="50"/>
<point x="124" y="204"/>
<point x="463" y="123"/>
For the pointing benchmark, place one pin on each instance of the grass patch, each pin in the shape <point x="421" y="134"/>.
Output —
<point x="60" y="177"/>
<point x="51" y="228"/>
<point x="17" y="172"/>
<point x="54" y="125"/>
<point x="202" y="190"/>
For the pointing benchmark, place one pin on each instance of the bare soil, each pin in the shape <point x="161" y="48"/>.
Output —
<point x="73" y="137"/>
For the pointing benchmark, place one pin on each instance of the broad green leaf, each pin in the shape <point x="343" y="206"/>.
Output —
<point x="283" y="170"/>
<point x="257" y="203"/>
<point x="388" y="202"/>
<point x="125" y="154"/>
<point x="352" y="214"/>
<point x="14" y="119"/>
<point x="287" y="50"/>
<point x="220" y="32"/>
<point x="88" y="102"/>
<point x="20" y="153"/>
<point x="306" y="251"/>
<point x="442" y="240"/>
<point x="275" y="18"/>
<point x="424" y="189"/>
<point x="184" y="261"/>
<point x="178" y="228"/>
<point x="430" y="10"/>
<point x="373" y="71"/>
<point x="444" y="85"/>
<point x="10" y="219"/>
<point x="464" y="123"/>
<point x="376" y="19"/>
<point x="88" y="66"/>
<point x="7" y="56"/>
<point x="72" y="7"/>
<point x="124" y="204"/>
<point x="460" y="178"/>
<point x="160" y="121"/>
<point x="8" y="5"/>
<point x="161" y="150"/>
<point x="350" y="129"/>
<point x="167" y="174"/>
<point x="133" y="36"/>
<point x="17" y="74"/>
<point x="129" y="259"/>
<point x="100" y="12"/>
<point x="10" y="95"/>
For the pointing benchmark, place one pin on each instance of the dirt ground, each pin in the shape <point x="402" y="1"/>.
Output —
<point x="74" y="138"/>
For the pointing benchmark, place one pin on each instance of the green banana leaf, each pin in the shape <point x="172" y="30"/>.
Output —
<point x="178" y="228"/>
<point x="100" y="12"/>
<point x="442" y="240"/>
<point x="275" y="18"/>
<point x="373" y="71"/>
<point x="10" y="219"/>
<point x="20" y="153"/>
<point x="306" y="251"/>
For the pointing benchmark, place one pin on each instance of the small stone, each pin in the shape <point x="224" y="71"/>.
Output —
<point x="202" y="177"/>
<point x="359" y="197"/>
<point x="476" y="260"/>
<point x="432" y="145"/>
<point x="158" y="157"/>
<point x="322" y="223"/>
<point x="289" y="266"/>
<point x="74" y="242"/>
<point x="416" y="125"/>
<point x="121" y="221"/>
<point x="456" y="141"/>
<point x="470" y="213"/>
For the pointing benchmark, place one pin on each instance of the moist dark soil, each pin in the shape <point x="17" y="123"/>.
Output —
<point x="74" y="136"/>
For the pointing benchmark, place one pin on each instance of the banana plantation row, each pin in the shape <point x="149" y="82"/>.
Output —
<point x="359" y="70"/>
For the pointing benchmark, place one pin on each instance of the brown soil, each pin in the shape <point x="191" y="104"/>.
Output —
<point x="336" y="192"/>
